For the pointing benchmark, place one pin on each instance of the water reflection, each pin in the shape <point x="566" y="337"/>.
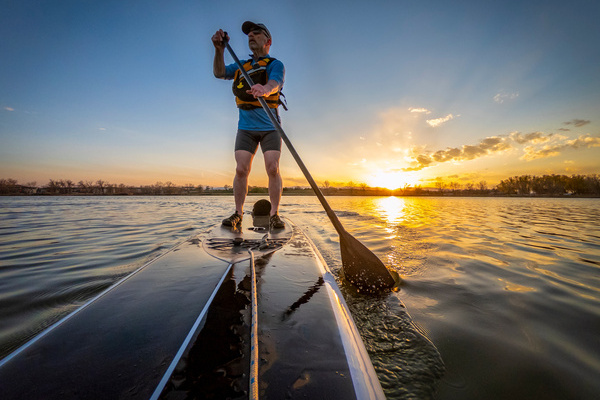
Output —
<point x="392" y="209"/>
<point x="507" y="289"/>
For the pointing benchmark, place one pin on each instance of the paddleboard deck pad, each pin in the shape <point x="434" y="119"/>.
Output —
<point x="231" y="244"/>
<point x="178" y="328"/>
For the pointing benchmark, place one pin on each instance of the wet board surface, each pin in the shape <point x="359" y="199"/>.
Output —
<point x="119" y="345"/>
<point x="308" y="344"/>
<point x="307" y="338"/>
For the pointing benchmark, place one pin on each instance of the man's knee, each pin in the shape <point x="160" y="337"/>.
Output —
<point x="272" y="168"/>
<point x="272" y="163"/>
<point x="242" y="170"/>
<point x="243" y="163"/>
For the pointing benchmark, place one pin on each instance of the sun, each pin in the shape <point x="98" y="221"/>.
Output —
<point x="393" y="179"/>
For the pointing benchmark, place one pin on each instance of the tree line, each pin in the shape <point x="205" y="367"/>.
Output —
<point x="99" y="187"/>
<point x="523" y="185"/>
<point x="551" y="185"/>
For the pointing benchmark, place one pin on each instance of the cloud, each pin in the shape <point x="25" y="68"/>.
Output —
<point x="419" y="110"/>
<point x="583" y="141"/>
<point x="502" y="97"/>
<point x="577" y="122"/>
<point x="533" y="137"/>
<point x="438" y="121"/>
<point x="552" y="143"/>
<point x="9" y="109"/>
<point x="487" y="146"/>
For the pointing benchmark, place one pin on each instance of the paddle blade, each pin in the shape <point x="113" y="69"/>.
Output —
<point x="363" y="268"/>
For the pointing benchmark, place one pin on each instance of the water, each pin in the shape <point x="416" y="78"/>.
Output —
<point x="501" y="296"/>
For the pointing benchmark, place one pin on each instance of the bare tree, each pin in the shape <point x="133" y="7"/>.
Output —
<point x="8" y="186"/>
<point x="69" y="185"/>
<point x="158" y="187"/>
<point x="101" y="185"/>
<point x="454" y="186"/>
<point x="170" y="187"/>
<point x="53" y="186"/>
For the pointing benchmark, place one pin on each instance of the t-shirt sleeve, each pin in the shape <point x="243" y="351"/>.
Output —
<point x="276" y="71"/>
<point x="230" y="71"/>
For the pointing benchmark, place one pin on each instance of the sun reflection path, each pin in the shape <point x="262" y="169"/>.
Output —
<point x="393" y="210"/>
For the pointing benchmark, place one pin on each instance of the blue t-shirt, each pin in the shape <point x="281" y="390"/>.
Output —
<point x="257" y="119"/>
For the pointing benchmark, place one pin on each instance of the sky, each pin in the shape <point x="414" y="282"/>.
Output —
<point x="387" y="93"/>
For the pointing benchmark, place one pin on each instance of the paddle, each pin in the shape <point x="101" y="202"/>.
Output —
<point x="360" y="265"/>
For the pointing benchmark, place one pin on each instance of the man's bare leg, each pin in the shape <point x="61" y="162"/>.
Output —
<point x="243" y="160"/>
<point x="275" y="181"/>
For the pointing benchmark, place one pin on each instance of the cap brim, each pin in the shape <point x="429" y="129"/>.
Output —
<point x="249" y="26"/>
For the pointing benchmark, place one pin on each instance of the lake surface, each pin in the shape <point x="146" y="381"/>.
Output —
<point x="501" y="296"/>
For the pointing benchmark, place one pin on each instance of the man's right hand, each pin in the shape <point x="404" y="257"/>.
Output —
<point x="217" y="39"/>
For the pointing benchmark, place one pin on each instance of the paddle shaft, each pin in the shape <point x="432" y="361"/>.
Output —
<point x="334" y="219"/>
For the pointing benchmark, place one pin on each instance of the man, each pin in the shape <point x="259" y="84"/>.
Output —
<point x="254" y="125"/>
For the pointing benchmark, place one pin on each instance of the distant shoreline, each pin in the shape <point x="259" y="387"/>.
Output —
<point x="546" y="186"/>
<point x="356" y="193"/>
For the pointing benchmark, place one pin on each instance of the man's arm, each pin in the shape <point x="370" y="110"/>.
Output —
<point x="276" y="73"/>
<point x="267" y="89"/>
<point x="219" y="60"/>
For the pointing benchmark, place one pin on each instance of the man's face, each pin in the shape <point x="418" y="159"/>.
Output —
<point x="257" y="39"/>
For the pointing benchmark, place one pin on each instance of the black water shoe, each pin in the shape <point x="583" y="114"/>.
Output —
<point x="276" y="223"/>
<point x="234" y="220"/>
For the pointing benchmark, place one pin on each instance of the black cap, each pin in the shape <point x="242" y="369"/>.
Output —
<point x="249" y="26"/>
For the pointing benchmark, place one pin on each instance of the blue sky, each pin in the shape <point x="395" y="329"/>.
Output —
<point x="381" y="92"/>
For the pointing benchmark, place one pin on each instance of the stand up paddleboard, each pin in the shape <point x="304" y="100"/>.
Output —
<point x="308" y="345"/>
<point x="181" y="327"/>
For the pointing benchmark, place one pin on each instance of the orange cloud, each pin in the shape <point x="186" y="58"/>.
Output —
<point x="583" y="141"/>
<point x="497" y="144"/>
<point x="467" y="152"/>
<point x="533" y="137"/>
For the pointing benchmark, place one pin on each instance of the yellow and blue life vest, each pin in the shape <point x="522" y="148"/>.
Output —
<point x="258" y="74"/>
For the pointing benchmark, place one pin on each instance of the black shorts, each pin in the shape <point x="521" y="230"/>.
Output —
<point x="249" y="140"/>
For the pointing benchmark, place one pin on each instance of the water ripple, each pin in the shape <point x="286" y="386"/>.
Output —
<point x="504" y="294"/>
